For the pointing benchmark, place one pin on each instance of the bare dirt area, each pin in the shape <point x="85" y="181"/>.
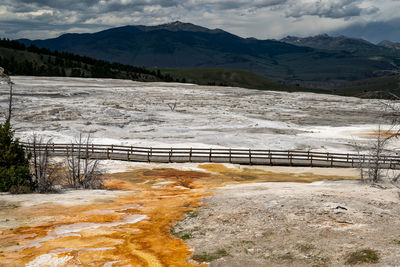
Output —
<point x="293" y="224"/>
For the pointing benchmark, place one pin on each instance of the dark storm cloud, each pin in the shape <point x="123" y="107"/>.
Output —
<point x="297" y="8"/>
<point x="138" y="5"/>
<point x="328" y="9"/>
<point x="79" y="5"/>
<point x="10" y="26"/>
<point x="373" y="31"/>
<point x="19" y="5"/>
<point x="230" y="5"/>
<point x="53" y="17"/>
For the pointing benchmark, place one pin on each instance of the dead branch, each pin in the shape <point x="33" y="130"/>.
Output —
<point x="82" y="170"/>
<point x="172" y="106"/>
<point x="5" y="78"/>
<point x="46" y="172"/>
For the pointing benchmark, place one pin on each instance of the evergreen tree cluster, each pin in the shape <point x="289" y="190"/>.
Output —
<point x="14" y="163"/>
<point x="63" y="64"/>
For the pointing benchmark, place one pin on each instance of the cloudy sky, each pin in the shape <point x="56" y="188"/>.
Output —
<point x="373" y="20"/>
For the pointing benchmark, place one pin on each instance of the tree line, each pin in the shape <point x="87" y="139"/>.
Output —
<point x="64" y="64"/>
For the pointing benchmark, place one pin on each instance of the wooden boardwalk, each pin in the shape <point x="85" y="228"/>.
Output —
<point x="202" y="155"/>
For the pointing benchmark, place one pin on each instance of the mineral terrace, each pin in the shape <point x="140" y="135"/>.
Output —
<point x="198" y="214"/>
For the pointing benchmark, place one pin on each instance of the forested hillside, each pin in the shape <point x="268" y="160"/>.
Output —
<point x="19" y="59"/>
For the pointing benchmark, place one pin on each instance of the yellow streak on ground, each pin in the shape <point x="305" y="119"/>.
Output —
<point x="376" y="133"/>
<point x="164" y="195"/>
<point x="254" y="174"/>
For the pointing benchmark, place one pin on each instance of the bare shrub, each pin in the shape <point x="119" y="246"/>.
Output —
<point x="375" y="168"/>
<point x="46" y="172"/>
<point x="82" y="171"/>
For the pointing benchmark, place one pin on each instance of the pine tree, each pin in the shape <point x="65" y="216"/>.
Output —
<point x="14" y="163"/>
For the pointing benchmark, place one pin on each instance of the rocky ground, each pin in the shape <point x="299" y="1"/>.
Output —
<point x="291" y="224"/>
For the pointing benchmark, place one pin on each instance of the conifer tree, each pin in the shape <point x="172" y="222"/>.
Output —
<point x="14" y="163"/>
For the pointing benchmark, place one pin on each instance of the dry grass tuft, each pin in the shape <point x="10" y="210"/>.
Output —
<point x="363" y="256"/>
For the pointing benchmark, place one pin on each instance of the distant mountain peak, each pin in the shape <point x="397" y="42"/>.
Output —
<point x="177" y="22"/>
<point x="324" y="41"/>
<point x="176" y="26"/>
<point x="390" y="45"/>
<point x="323" y="35"/>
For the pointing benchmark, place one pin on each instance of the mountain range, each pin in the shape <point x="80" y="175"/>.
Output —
<point x="320" y="61"/>
<point x="324" y="41"/>
<point x="389" y="44"/>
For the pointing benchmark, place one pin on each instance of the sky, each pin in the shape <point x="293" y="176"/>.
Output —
<point x="373" y="20"/>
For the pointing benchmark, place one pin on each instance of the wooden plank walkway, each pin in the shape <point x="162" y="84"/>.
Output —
<point x="213" y="155"/>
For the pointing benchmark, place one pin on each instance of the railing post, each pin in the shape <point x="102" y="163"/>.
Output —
<point x="209" y="158"/>
<point x="270" y="157"/>
<point x="290" y="158"/>
<point x="230" y="155"/>
<point x="108" y="153"/>
<point x="311" y="158"/>
<point x="53" y="148"/>
<point x="170" y="155"/>
<point x="347" y="157"/>
<point x="127" y="156"/>
<point x="148" y="156"/>
<point x="190" y="155"/>
<point x="331" y="161"/>
<point x="250" y="157"/>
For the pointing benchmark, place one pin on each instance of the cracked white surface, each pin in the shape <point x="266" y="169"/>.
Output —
<point x="134" y="113"/>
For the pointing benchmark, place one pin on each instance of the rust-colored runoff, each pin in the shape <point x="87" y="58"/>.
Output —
<point x="103" y="232"/>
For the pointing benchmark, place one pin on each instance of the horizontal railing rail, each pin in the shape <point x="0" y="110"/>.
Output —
<point x="217" y="155"/>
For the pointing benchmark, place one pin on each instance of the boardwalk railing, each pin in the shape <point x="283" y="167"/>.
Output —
<point x="217" y="155"/>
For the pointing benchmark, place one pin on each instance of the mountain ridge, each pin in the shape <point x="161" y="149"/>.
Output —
<point x="178" y="26"/>
<point x="390" y="45"/>
<point x="324" y="41"/>
<point x="185" y="45"/>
